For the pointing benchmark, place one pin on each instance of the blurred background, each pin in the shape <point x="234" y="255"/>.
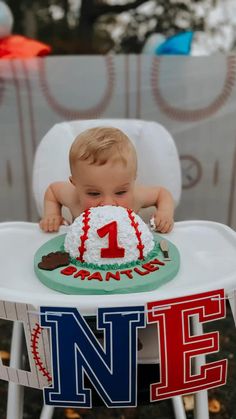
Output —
<point x="122" y="26"/>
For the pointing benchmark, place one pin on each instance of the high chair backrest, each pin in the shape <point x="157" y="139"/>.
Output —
<point x="158" y="161"/>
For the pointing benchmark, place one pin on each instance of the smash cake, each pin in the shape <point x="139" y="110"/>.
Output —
<point x="107" y="250"/>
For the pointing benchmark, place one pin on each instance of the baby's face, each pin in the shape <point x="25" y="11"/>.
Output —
<point x="109" y="184"/>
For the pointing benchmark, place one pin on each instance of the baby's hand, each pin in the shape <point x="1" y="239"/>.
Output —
<point x="163" y="221"/>
<point x="51" y="223"/>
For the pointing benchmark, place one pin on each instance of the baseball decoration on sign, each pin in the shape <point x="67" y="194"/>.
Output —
<point x="64" y="351"/>
<point x="107" y="249"/>
<point x="37" y="349"/>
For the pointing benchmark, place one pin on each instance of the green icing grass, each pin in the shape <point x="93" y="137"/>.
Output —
<point x="116" y="266"/>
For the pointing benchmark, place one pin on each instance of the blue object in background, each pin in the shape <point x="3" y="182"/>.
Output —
<point x="179" y="44"/>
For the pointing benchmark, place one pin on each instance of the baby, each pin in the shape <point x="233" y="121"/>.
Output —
<point x="103" y="165"/>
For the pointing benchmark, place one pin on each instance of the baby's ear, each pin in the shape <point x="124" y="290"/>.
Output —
<point x="71" y="180"/>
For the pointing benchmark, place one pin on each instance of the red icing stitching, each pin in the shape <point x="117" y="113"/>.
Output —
<point x="84" y="236"/>
<point x="34" y="345"/>
<point x="138" y="233"/>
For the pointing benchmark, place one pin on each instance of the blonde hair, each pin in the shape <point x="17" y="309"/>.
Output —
<point x="100" y="144"/>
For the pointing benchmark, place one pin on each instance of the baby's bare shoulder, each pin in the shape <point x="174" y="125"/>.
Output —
<point x="145" y="196"/>
<point x="64" y="192"/>
<point x="140" y="192"/>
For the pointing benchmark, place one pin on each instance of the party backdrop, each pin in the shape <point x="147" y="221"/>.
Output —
<point x="194" y="98"/>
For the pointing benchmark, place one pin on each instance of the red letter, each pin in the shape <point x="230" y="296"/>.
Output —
<point x="150" y="267"/>
<point x="83" y="273"/>
<point x="113" y="250"/>
<point x="138" y="271"/>
<point x="127" y="272"/>
<point x="177" y="346"/>
<point x="158" y="262"/>
<point x="115" y="276"/>
<point x="95" y="275"/>
<point x="69" y="270"/>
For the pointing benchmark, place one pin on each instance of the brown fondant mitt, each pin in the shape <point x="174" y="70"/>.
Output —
<point x="54" y="260"/>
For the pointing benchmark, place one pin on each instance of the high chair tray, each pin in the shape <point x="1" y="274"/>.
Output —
<point x="208" y="262"/>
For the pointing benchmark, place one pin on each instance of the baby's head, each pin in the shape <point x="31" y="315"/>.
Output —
<point x="103" y="166"/>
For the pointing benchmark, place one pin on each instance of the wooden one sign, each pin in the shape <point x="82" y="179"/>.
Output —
<point x="76" y="353"/>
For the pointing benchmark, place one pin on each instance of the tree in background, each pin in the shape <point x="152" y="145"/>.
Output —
<point x="99" y="26"/>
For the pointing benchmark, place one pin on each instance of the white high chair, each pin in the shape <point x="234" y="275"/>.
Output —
<point x="158" y="163"/>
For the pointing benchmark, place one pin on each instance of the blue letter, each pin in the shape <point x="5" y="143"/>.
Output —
<point x="111" y="367"/>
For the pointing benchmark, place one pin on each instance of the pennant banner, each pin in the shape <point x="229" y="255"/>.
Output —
<point x="68" y="358"/>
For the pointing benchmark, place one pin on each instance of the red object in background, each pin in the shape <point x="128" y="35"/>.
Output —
<point x="17" y="46"/>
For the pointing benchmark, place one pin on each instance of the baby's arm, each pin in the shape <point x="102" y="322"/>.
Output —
<point x="162" y="199"/>
<point x="56" y="195"/>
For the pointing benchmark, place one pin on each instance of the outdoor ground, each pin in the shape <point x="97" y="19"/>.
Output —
<point x="222" y="400"/>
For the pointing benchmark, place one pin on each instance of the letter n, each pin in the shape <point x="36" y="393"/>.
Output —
<point x="76" y="353"/>
<point x="178" y="346"/>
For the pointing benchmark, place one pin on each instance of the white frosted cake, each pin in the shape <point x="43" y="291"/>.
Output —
<point x="124" y="230"/>
<point x="107" y="249"/>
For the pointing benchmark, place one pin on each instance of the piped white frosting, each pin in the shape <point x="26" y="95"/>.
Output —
<point x="126" y="236"/>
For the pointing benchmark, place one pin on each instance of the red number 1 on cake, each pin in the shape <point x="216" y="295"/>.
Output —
<point x="113" y="250"/>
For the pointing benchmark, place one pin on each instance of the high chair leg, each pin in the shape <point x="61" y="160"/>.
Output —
<point x="15" y="397"/>
<point x="47" y="412"/>
<point x="178" y="407"/>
